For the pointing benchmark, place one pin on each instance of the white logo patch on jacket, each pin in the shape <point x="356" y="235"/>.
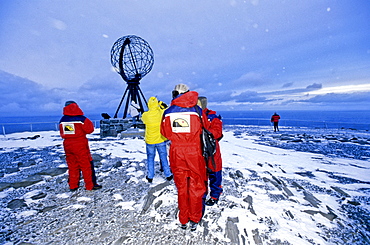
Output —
<point x="180" y="122"/>
<point x="69" y="127"/>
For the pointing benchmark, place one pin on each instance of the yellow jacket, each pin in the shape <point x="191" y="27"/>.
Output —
<point x="152" y="120"/>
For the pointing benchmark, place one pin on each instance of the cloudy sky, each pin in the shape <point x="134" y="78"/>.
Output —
<point x="242" y="55"/>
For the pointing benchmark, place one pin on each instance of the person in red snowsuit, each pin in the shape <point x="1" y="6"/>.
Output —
<point x="275" y="119"/>
<point x="73" y="127"/>
<point x="182" y="126"/>
<point x="212" y="122"/>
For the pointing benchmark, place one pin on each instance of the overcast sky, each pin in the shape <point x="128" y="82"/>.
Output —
<point x="242" y="55"/>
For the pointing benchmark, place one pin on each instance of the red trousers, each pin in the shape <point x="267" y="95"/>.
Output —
<point x="78" y="159"/>
<point x="191" y="189"/>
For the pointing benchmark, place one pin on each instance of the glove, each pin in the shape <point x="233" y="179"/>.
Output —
<point x="162" y="105"/>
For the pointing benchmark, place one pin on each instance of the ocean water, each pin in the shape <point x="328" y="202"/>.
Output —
<point x="358" y="120"/>
<point x="36" y="123"/>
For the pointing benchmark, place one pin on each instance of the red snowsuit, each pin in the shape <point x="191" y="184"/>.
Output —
<point x="275" y="119"/>
<point x="213" y="124"/>
<point x="181" y="125"/>
<point x="73" y="128"/>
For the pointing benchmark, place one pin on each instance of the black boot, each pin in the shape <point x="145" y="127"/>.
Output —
<point x="211" y="202"/>
<point x="193" y="225"/>
<point x="149" y="179"/>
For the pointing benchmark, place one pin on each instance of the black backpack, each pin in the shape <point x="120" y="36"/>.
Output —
<point x="208" y="142"/>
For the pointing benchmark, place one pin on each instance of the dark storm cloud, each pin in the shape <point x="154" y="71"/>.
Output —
<point x="341" y="98"/>
<point x="23" y="97"/>
<point x="250" y="96"/>
<point x="103" y="93"/>
<point x="20" y="96"/>
<point x="221" y="96"/>
<point x="312" y="87"/>
<point x="287" y="85"/>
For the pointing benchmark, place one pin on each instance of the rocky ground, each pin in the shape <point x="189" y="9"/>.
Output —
<point x="264" y="202"/>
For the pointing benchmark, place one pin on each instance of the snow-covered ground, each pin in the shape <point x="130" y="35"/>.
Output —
<point x="296" y="186"/>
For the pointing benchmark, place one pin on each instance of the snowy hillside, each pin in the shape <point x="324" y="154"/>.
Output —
<point x="296" y="186"/>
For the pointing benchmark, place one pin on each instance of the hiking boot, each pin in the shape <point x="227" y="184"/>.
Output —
<point x="183" y="226"/>
<point x="97" y="187"/>
<point x="169" y="178"/>
<point x="149" y="179"/>
<point x="211" y="202"/>
<point x="193" y="225"/>
<point x="75" y="189"/>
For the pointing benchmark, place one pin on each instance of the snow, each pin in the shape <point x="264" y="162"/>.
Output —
<point x="274" y="193"/>
<point x="126" y="205"/>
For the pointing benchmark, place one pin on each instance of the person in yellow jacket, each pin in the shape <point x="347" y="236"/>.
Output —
<point x="154" y="140"/>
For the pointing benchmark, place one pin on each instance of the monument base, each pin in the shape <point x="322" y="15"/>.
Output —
<point x="114" y="127"/>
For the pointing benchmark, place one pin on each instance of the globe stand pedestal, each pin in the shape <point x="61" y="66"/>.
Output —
<point x="133" y="92"/>
<point x="119" y="127"/>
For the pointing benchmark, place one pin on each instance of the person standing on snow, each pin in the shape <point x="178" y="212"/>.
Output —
<point x="134" y="111"/>
<point x="275" y="119"/>
<point x="213" y="124"/>
<point x="73" y="127"/>
<point x="154" y="139"/>
<point x="182" y="126"/>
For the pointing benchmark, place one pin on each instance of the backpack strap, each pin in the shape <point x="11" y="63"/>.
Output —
<point x="199" y="114"/>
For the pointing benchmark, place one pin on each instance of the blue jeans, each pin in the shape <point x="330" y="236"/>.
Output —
<point x="215" y="181"/>
<point x="162" y="151"/>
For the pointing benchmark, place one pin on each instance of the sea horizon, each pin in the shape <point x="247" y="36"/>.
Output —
<point x="349" y="119"/>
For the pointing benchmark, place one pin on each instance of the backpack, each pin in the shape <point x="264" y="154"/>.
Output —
<point x="208" y="142"/>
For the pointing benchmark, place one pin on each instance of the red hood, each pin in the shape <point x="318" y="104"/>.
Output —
<point x="186" y="100"/>
<point x="72" y="110"/>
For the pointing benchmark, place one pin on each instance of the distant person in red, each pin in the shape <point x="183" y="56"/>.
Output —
<point x="212" y="122"/>
<point x="73" y="127"/>
<point x="275" y="119"/>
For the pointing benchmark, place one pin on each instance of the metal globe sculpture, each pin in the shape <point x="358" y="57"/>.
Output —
<point x="132" y="58"/>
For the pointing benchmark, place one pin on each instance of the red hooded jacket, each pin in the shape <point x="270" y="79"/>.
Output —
<point x="74" y="125"/>
<point x="181" y="125"/>
<point x="275" y="118"/>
